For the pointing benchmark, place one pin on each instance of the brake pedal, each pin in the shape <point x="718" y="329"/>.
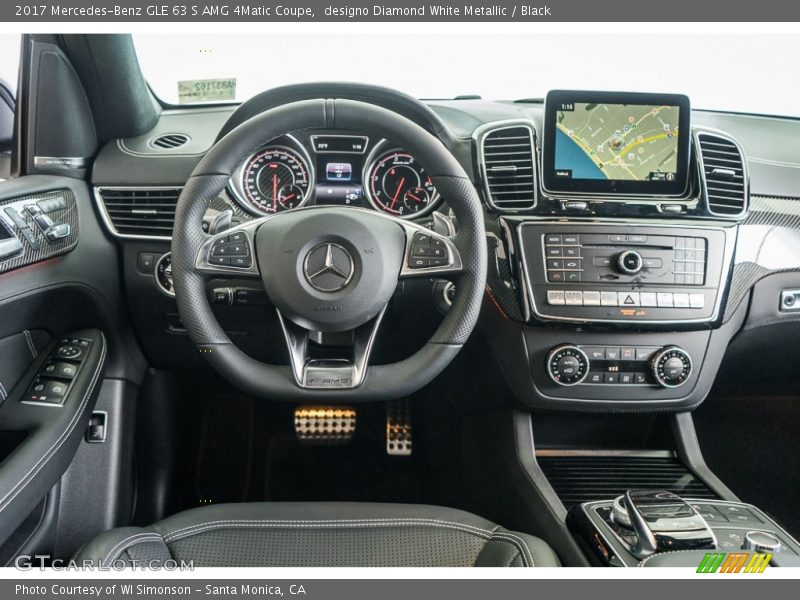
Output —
<point x="398" y="428"/>
<point x="324" y="425"/>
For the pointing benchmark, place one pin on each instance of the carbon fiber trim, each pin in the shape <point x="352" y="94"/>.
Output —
<point x="46" y="249"/>
<point x="769" y="242"/>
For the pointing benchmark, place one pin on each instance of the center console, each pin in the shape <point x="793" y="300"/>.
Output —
<point x="640" y="526"/>
<point x="623" y="263"/>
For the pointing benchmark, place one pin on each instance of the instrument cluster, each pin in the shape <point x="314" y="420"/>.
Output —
<point x="333" y="169"/>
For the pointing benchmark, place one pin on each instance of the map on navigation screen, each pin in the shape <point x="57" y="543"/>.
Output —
<point x="632" y="142"/>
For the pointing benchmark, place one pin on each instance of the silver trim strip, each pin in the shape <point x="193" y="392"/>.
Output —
<point x="60" y="162"/>
<point x="101" y="207"/>
<point x="480" y="135"/>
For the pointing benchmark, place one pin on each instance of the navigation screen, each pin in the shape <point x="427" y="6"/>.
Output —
<point x="626" y="146"/>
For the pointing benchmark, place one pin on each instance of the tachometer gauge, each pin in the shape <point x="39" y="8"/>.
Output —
<point x="273" y="179"/>
<point x="398" y="184"/>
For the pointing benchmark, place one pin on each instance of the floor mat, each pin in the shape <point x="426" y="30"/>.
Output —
<point x="750" y="442"/>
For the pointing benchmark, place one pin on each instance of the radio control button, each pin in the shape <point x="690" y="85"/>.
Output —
<point x="573" y="298"/>
<point x="648" y="299"/>
<point x="570" y="239"/>
<point x="552" y="251"/>
<point x="681" y="300"/>
<point x="557" y="276"/>
<point x="665" y="300"/>
<point x="573" y="276"/>
<point x="617" y="237"/>
<point x="555" y="297"/>
<point x="571" y="251"/>
<point x="608" y="298"/>
<point x="552" y="240"/>
<point x="591" y="298"/>
<point x="652" y="263"/>
<point x="555" y="263"/>
<point x="572" y="264"/>
<point x="630" y="262"/>
<point x="629" y="298"/>
<point x="637" y="239"/>
<point x="601" y="261"/>
<point x="695" y="300"/>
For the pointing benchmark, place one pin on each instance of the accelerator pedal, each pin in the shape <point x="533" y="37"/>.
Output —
<point x="398" y="428"/>
<point x="324" y="425"/>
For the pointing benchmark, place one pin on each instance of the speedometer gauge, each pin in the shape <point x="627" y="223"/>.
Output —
<point x="397" y="184"/>
<point x="275" y="178"/>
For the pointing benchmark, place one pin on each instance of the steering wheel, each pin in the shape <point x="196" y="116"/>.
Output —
<point x="328" y="269"/>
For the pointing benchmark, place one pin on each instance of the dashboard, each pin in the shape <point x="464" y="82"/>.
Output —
<point x="333" y="169"/>
<point x="626" y="231"/>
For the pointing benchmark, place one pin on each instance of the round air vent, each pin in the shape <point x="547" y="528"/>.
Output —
<point x="169" y="141"/>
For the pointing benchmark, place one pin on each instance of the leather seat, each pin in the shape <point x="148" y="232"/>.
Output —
<point x="321" y="535"/>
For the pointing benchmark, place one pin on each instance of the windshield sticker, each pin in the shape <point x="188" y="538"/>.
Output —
<point x="193" y="91"/>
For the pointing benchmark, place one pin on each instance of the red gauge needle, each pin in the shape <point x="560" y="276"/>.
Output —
<point x="397" y="193"/>
<point x="274" y="190"/>
<point x="414" y="198"/>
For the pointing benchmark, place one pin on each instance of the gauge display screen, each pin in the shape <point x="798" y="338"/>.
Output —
<point x="399" y="185"/>
<point x="275" y="179"/>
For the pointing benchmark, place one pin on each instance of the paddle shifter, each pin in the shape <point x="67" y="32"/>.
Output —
<point x="661" y="522"/>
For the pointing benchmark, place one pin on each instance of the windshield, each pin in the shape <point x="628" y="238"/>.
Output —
<point x="752" y="73"/>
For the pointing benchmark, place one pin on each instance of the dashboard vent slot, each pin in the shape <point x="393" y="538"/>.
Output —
<point x="578" y="479"/>
<point x="509" y="168"/>
<point x="148" y="212"/>
<point x="724" y="175"/>
<point x="170" y="141"/>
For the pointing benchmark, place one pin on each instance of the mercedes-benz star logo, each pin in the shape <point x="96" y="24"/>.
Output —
<point x="328" y="267"/>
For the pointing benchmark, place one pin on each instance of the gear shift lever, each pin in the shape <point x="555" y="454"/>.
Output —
<point x="665" y="522"/>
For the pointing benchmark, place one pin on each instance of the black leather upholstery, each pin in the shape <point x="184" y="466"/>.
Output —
<point x="321" y="535"/>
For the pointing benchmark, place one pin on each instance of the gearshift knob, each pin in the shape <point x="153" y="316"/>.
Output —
<point x="664" y="522"/>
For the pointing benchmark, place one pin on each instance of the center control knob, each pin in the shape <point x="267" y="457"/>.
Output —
<point x="761" y="541"/>
<point x="630" y="262"/>
<point x="567" y="365"/>
<point x="672" y="366"/>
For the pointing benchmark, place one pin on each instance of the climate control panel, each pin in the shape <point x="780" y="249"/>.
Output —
<point x="667" y="366"/>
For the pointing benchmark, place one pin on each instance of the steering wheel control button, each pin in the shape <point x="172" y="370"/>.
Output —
<point x="163" y="274"/>
<point x="672" y="366"/>
<point x="328" y="267"/>
<point x="567" y="365"/>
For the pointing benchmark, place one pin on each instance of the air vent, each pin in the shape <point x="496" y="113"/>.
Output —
<point x="578" y="479"/>
<point x="724" y="175"/>
<point x="509" y="168"/>
<point x="137" y="212"/>
<point x="169" y="141"/>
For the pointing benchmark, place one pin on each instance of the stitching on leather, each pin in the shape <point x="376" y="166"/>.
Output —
<point x="130" y="542"/>
<point x="42" y="462"/>
<point x="649" y="558"/>
<point x="345" y="523"/>
<point x="520" y="544"/>
<point x="31" y="347"/>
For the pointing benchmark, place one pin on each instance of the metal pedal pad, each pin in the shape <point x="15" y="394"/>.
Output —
<point x="324" y="425"/>
<point x="398" y="428"/>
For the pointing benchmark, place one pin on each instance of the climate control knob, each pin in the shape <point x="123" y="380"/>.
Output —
<point x="672" y="366"/>
<point x="630" y="262"/>
<point x="567" y="365"/>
